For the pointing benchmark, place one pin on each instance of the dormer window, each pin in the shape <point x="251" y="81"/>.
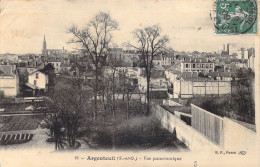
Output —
<point x="37" y="75"/>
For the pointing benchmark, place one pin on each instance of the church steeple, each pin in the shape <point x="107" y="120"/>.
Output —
<point x="44" y="47"/>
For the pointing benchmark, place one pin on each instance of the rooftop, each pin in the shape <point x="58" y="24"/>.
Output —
<point x="6" y="70"/>
<point x="197" y="60"/>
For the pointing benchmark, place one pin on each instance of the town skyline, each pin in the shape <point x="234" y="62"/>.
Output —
<point x="166" y="81"/>
<point x="33" y="20"/>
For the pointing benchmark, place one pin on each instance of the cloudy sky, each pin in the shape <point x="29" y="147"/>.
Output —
<point x="23" y="23"/>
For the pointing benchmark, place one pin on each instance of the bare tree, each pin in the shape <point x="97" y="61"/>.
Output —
<point x="111" y="80"/>
<point x="150" y="44"/>
<point x="129" y="92"/>
<point x="94" y="40"/>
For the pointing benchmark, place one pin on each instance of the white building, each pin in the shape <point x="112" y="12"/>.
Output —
<point x="190" y="88"/>
<point x="164" y="59"/>
<point x="56" y="63"/>
<point x="242" y="54"/>
<point x="197" y="64"/>
<point x="188" y="85"/>
<point x="38" y="80"/>
<point x="9" y="81"/>
<point x="251" y="62"/>
<point x="157" y="83"/>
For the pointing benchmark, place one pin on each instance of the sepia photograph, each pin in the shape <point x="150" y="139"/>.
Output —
<point x="129" y="83"/>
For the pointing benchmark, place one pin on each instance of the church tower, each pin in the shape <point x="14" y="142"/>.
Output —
<point x="44" y="47"/>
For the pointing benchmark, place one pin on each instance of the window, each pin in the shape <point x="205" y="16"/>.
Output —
<point x="37" y="75"/>
<point x="193" y="65"/>
<point x="203" y="65"/>
<point x="34" y="82"/>
<point x="210" y="65"/>
<point x="187" y="65"/>
<point x="57" y="64"/>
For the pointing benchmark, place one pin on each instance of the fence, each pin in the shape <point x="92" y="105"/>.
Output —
<point x="193" y="139"/>
<point x="210" y="125"/>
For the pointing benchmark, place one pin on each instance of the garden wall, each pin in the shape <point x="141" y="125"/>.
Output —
<point x="189" y="136"/>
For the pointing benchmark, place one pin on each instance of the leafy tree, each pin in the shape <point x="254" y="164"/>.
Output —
<point x="244" y="91"/>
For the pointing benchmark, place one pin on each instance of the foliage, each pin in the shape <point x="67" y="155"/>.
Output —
<point x="243" y="95"/>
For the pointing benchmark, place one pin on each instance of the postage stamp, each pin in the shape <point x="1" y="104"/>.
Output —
<point x="236" y="17"/>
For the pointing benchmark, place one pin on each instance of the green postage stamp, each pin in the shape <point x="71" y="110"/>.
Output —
<point x="236" y="17"/>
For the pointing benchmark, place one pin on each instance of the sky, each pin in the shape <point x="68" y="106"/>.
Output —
<point x="187" y="23"/>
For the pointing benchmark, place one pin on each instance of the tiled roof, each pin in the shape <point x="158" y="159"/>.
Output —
<point x="197" y="60"/>
<point x="6" y="70"/>
<point x="54" y="59"/>
<point x="45" y="69"/>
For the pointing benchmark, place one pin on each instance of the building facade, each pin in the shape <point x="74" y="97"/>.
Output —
<point x="9" y="81"/>
<point x="197" y="64"/>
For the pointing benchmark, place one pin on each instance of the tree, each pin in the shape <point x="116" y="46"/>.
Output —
<point x="112" y="85"/>
<point x="94" y="40"/>
<point x="150" y="44"/>
<point x="243" y="95"/>
<point x="64" y="115"/>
